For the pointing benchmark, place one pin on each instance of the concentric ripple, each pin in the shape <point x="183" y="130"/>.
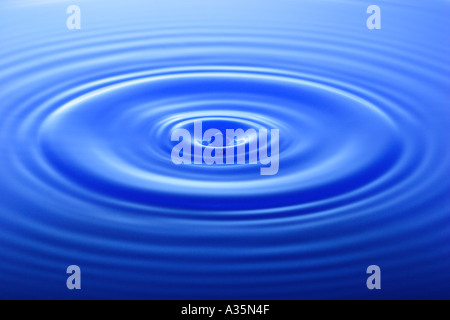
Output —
<point x="110" y="123"/>
<point x="87" y="177"/>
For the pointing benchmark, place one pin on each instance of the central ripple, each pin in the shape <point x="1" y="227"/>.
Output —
<point x="116" y="141"/>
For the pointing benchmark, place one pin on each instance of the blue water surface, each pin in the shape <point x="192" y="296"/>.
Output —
<point x="86" y="176"/>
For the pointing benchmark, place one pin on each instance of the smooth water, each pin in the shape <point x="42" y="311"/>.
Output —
<point x="87" y="178"/>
